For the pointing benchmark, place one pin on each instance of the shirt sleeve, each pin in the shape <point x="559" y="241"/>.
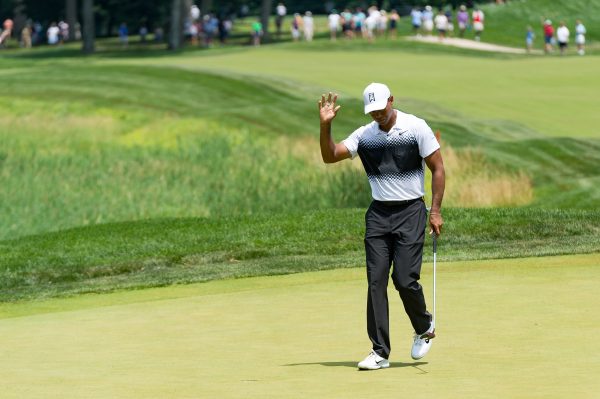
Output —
<point x="351" y="142"/>
<point x="428" y="144"/>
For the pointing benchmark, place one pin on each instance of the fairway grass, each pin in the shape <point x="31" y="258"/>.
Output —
<point x="553" y="96"/>
<point x="507" y="329"/>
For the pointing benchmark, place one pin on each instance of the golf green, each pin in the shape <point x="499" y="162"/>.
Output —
<point x="519" y="328"/>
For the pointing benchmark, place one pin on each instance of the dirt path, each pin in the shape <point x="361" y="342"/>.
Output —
<point x="470" y="44"/>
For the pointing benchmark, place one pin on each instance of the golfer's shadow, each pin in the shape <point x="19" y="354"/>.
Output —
<point x="354" y="364"/>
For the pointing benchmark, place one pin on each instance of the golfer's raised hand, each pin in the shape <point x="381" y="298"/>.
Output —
<point x="327" y="108"/>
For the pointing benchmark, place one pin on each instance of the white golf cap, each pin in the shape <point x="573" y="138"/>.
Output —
<point x="376" y="97"/>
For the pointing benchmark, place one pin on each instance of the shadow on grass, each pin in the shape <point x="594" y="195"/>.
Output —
<point x="354" y="363"/>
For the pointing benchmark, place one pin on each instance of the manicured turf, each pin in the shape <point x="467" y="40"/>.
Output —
<point x="555" y="97"/>
<point x="506" y="329"/>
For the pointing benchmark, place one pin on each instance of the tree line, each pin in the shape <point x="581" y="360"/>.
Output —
<point x="102" y="17"/>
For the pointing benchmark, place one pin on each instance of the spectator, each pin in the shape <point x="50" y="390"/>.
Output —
<point x="7" y="32"/>
<point x="441" y="24"/>
<point x="195" y="12"/>
<point x="394" y="20"/>
<point x="463" y="20"/>
<point x="143" y="33"/>
<point x="64" y="31"/>
<point x="347" y="27"/>
<point x="193" y="31"/>
<point x="416" y="17"/>
<point x="52" y="34"/>
<point x="478" y="18"/>
<point x="450" y="23"/>
<point x="210" y="27"/>
<point x="580" y="37"/>
<point x="257" y="32"/>
<point x="124" y="35"/>
<point x="309" y="26"/>
<point x="37" y="35"/>
<point x="529" y="36"/>
<point x="26" y="36"/>
<point x="296" y="26"/>
<point x="77" y="31"/>
<point x="428" y="20"/>
<point x="281" y="12"/>
<point x="382" y="23"/>
<point x="225" y="26"/>
<point x="159" y="34"/>
<point x="548" y="36"/>
<point x="358" y="20"/>
<point x="562" y="36"/>
<point x="371" y="23"/>
<point x="334" y="24"/>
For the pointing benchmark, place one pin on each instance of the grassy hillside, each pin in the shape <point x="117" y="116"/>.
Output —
<point x="507" y="24"/>
<point x="160" y="252"/>
<point x="200" y="148"/>
<point x="91" y="144"/>
<point x="551" y="96"/>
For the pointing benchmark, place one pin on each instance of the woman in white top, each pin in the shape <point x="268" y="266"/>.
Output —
<point x="562" y="36"/>
<point x="441" y="24"/>
<point x="580" y="36"/>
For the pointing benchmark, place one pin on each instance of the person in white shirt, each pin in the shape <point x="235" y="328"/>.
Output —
<point x="333" y="20"/>
<point x="562" y="37"/>
<point x="309" y="26"/>
<point x="441" y="24"/>
<point x="427" y="17"/>
<point x="53" y="33"/>
<point x="281" y="11"/>
<point x="580" y="37"/>
<point x="371" y="23"/>
<point x="478" y="18"/>
<point x="394" y="149"/>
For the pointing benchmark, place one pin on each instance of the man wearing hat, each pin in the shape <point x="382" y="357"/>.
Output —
<point x="393" y="149"/>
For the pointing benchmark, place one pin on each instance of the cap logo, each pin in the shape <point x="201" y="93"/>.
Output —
<point x="371" y="97"/>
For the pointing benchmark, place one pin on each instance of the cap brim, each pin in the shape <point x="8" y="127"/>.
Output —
<point x="376" y="106"/>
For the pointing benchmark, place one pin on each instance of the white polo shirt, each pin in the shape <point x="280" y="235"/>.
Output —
<point x="394" y="160"/>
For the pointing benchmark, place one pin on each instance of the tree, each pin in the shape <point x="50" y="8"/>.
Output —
<point x="89" y="30"/>
<point x="71" y="13"/>
<point x="176" y="25"/>
<point x="206" y="6"/>
<point x="265" y="14"/>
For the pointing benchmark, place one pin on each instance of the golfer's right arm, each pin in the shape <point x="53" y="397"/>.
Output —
<point x="330" y="151"/>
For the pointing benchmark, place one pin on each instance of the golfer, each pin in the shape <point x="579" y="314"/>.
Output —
<point x="393" y="149"/>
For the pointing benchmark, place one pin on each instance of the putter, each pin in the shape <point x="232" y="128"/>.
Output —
<point x="434" y="264"/>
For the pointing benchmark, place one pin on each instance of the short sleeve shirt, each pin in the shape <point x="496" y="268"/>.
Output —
<point x="394" y="160"/>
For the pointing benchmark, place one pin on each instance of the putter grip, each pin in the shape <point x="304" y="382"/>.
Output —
<point x="434" y="243"/>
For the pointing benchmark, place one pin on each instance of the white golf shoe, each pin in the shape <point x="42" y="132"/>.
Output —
<point x="422" y="344"/>
<point x="373" y="362"/>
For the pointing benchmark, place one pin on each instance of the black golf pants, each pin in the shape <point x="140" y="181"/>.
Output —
<point x="394" y="235"/>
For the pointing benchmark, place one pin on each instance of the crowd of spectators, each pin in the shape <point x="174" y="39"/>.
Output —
<point x="206" y="29"/>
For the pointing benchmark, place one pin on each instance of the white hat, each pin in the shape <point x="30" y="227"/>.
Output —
<point x="376" y="97"/>
<point x="547" y="22"/>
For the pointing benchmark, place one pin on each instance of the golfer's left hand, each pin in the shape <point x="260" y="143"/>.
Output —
<point x="436" y="222"/>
